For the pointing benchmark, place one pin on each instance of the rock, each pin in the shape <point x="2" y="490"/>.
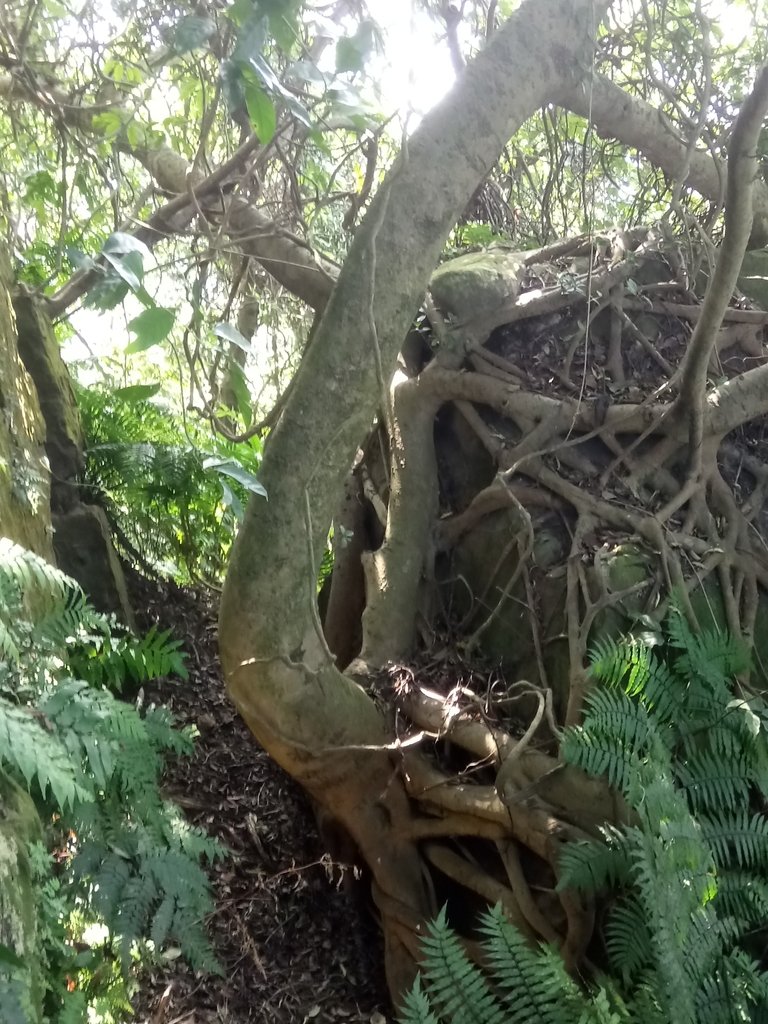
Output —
<point x="84" y="551"/>
<point x="479" y="281"/>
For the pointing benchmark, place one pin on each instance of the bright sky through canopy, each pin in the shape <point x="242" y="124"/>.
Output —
<point x="415" y="71"/>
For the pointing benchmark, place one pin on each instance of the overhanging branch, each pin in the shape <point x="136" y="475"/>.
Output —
<point x="617" y="115"/>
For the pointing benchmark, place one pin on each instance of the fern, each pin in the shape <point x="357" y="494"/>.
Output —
<point x="737" y="838"/>
<point x="39" y="756"/>
<point x="457" y="988"/>
<point x="159" y="484"/>
<point x="107" y="659"/>
<point x="520" y="985"/>
<point x="417" y="1008"/>
<point x="93" y="764"/>
<point x="628" y="938"/>
<point x="596" y="866"/>
<point x="689" y="875"/>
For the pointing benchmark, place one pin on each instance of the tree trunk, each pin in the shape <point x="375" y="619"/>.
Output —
<point x="320" y="725"/>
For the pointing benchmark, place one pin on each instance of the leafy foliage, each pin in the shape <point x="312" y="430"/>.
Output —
<point x="123" y="856"/>
<point x="521" y="985"/>
<point x="175" y="505"/>
<point x="688" y="873"/>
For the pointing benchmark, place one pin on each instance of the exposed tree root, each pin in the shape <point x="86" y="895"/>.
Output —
<point x="490" y="803"/>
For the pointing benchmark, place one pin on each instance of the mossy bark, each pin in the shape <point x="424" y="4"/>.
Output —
<point x="24" y="471"/>
<point x="320" y="725"/>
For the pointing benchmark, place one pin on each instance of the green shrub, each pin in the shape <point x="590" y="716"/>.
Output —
<point x="688" y="879"/>
<point x="119" y="859"/>
<point x="174" y="492"/>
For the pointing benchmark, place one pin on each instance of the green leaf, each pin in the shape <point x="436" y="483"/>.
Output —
<point x="256" y="63"/>
<point x="150" y="328"/>
<point x="136" y="134"/>
<point x="191" y="32"/>
<point x="261" y="112"/>
<point x="232" y="501"/>
<point x="120" y="242"/>
<point x="106" y="294"/>
<point x="137" y="392"/>
<point x="242" y="393"/>
<point x="232" y="468"/>
<point x="352" y="52"/>
<point x="125" y="254"/>
<point x="265" y="73"/>
<point x="231" y="334"/>
<point x="130" y="267"/>
<point x="108" y="124"/>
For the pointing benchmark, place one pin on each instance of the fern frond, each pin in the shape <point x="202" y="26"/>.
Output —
<point x="644" y="1007"/>
<point x="138" y="898"/>
<point x="39" y="602"/>
<point x="416" y="1008"/>
<point x="631" y="666"/>
<point x="107" y="660"/>
<point x="711" y="782"/>
<point x="164" y="735"/>
<point x="110" y="880"/>
<point x="742" y="896"/>
<point x="618" y="716"/>
<point x="733" y="992"/>
<point x="593" y="865"/>
<point x="628" y="939"/>
<point x="457" y="989"/>
<point x="74" y="1009"/>
<point x="612" y="659"/>
<point x="737" y="838"/>
<point x="533" y="983"/>
<point x="714" y="657"/>
<point x="598" y="753"/>
<point x="40" y="756"/>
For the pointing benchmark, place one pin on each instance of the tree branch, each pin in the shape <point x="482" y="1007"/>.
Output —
<point x="292" y="264"/>
<point x="544" y="45"/>
<point x="617" y="115"/>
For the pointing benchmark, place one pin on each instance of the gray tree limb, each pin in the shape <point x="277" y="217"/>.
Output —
<point x="617" y="115"/>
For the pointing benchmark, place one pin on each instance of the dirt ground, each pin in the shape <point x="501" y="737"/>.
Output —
<point x="296" y="942"/>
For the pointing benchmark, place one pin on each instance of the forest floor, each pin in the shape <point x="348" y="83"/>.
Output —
<point x="294" y="943"/>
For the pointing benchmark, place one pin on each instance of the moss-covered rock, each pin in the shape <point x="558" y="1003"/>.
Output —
<point x="477" y="281"/>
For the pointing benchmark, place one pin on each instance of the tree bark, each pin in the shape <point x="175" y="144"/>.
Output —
<point x="320" y="725"/>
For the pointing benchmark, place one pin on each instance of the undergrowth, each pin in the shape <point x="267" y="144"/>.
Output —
<point x="174" y="493"/>
<point x="115" y="872"/>
<point x="686" y="884"/>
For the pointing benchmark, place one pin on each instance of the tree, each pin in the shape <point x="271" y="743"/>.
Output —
<point x="320" y="713"/>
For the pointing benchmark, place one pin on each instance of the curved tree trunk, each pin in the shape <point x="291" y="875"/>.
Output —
<point x="320" y="725"/>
